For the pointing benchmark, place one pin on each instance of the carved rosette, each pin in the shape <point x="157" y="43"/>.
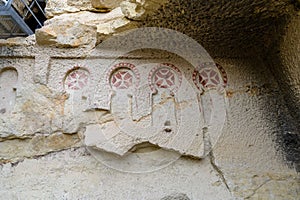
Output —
<point x="123" y="76"/>
<point x="165" y="76"/>
<point x="76" y="79"/>
<point x="209" y="76"/>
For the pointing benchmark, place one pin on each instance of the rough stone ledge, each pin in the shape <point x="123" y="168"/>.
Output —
<point x="16" y="149"/>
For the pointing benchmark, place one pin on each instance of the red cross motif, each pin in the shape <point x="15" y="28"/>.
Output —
<point x="122" y="79"/>
<point x="77" y="79"/>
<point x="164" y="78"/>
<point x="209" y="78"/>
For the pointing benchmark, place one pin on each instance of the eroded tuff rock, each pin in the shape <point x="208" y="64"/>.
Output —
<point x="66" y="33"/>
<point x="140" y="9"/>
<point x="60" y="174"/>
<point x="54" y="7"/>
<point x="14" y="150"/>
<point x="87" y="13"/>
<point x="105" y="4"/>
<point x="255" y="157"/>
<point x="61" y="31"/>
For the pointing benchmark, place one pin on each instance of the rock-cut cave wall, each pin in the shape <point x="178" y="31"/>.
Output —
<point x="75" y="111"/>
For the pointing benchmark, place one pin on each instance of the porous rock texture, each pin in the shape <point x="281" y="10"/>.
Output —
<point x="42" y="139"/>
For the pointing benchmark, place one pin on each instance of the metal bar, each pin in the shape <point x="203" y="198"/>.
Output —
<point x="27" y="11"/>
<point x="5" y="12"/>
<point x="38" y="4"/>
<point x="6" y="22"/>
<point x="9" y="2"/>
<point x="3" y="27"/>
<point x="37" y="20"/>
<point x="20" y="21"/>
<point x="7" y="5"/>
<point x="15" y="21"/>
<point x="2" y="3"/>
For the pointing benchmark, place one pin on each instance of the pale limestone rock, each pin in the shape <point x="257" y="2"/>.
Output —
<point x="89" y="18"/>
<point x="59" y="175"/>
<point x="58" y="7"/>
<point x="106" y="24"/>
<point x="81" y="5"/>
<point x="40" y="106"/>
<point x="54" y="7"/>
<point x="139" y="9"/>
<point x="17" y="149"/>
<point x="280" y="189"/>
<point x="248" y="184"/>
<point x="18" y="41"/>
<point x="132" y="10"/>
<point x="67" y="33"/>
<point x="106" y="4"/>
<point x="45" y="106"/>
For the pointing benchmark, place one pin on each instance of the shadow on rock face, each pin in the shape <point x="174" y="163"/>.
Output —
<point x="176" y="196"/>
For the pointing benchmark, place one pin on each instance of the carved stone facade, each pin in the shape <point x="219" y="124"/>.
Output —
<point x="87" y="116"/>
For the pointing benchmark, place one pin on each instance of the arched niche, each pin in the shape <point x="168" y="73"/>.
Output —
<point x="76" y="79"/>
<point x="8" y="89"/>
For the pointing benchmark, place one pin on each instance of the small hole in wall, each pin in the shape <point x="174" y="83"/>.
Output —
<point x="168" y="130"/>
<point x="167" y="127"/>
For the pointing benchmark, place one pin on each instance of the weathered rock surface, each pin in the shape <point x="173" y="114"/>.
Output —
<point x="59" y="175"/>
<point x="287" y="60"/>
<point x="77" y="29"/>
<point x="17" y="149"/>
<point x="54" y="7"/>
<point x="263" y="185"/>
<point x="80" y="5"/>
<point x="47" y="116"/>
<point x="106" y="4"/>
<point x="67" y="33"/>
<point x="140" y="9"/>
<point x="18" y="41"/>
<point x="39" y="111"/>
